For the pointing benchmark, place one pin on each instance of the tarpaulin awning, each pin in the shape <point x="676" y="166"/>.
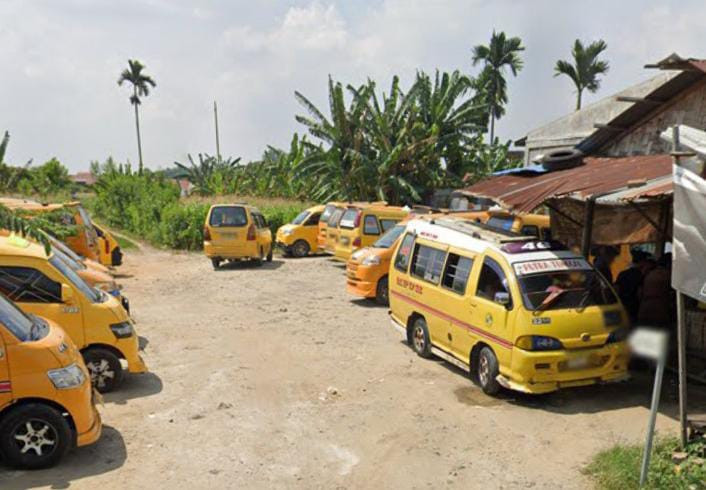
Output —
<point x="598" y="176"/>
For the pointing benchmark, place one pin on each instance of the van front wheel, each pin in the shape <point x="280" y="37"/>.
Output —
<point x="34" y="436"/>
<point x="420" y="338"/>
<point x="382" y="292"/>
<point x="487" y="371"/>
<point x="300" y="249"/>
<point x="105" y="368"/>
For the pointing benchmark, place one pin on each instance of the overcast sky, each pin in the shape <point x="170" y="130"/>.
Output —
<point x="62" y="59"/>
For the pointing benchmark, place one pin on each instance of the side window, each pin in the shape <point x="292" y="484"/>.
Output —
<point x="456" y="274"/>
<point x="404" y="253"/>
<point x="427" y="263"/>
<point x="387" y="224"/>
<point x="547" y="234"/>
<point x="370" y="225"/>
<point x="28" y="285"/>
<point x="530" y="230"/>
<point x="313" y="220"/>
<point x="492" y="280"/>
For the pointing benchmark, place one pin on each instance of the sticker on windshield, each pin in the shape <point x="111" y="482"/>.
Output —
<point x="552" y="265"/>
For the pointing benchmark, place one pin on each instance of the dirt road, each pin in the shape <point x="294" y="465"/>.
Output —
<point x="276" y="378"/>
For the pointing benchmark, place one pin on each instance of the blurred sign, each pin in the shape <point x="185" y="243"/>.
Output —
<point x="689" y="247"/>
<point x="649" y="343"/>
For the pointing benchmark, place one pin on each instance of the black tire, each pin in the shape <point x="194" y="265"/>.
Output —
<point x="269" y="254"/>
<point x="105" y="368"/>
<point x="216" y="263"/>
<point x="382" y="292"/>
<point x="45" y="436"/>
<point x="300" y="248"/>
<point x="260" y="258"/>
<point x="419" y="338"/>
<point x="487" y="371"/>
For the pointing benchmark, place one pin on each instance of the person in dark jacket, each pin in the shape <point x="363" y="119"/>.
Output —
<point x="604" y="259"/>
<point x="629" y="282"/>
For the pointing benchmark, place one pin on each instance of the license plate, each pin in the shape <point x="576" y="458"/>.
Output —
<point x="578" y="363"/>
<point x="229" y="236"/>
<point x="345" y="241"/>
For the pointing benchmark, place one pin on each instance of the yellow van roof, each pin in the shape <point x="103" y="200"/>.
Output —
<point x="15" y="245"/>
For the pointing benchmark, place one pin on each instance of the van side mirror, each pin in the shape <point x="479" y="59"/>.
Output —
<point x="67" y="294"/>
<point x="502" y="298"/>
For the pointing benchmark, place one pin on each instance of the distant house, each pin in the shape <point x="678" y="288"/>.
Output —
<point x="184" y="186"/>
<point x="83" y="178"/>
<point x="629" y="123"/>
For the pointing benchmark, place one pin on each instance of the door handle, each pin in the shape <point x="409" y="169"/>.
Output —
<point x="473" y="305"/>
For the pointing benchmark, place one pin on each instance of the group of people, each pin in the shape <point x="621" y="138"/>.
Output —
<point x="644" y="287"/>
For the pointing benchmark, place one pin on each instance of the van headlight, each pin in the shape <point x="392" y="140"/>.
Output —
<point x="108" y="287"/>
<point x="371" y="260"/>
<point x="122" y="330"/>
<point x="538" y="342"/>
<point x="68" y="377"/>
<point x="287" y="232"/>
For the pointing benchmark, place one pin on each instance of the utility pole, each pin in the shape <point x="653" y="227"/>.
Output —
<point x="218" y="144"/>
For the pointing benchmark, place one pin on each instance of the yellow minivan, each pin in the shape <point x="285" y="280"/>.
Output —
<point x="300" y="237"/>
<point x="524" y="224"/>
<point x="109" y="252"/>
<point x="235" y="232"/>
<point x="361" y="225"/>
<point x="515" y="312"/>
<point x="46" y="400"/>
<point x="96" y="322"/>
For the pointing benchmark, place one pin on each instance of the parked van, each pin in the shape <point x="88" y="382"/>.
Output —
<point x="323" y="222"/>
<point x="300" y="237"/>
<point x="367" y="269"/>
<point x="361" y="225"/>
<point x="108" y="247"/>
<point x="235" y="232"/>
<point x="46" y="399"/>
<point x="95" y="321"/>
<point x="524" y="224"/>
<point x="90" y="264"/>
<point x="332" y="230"/>
<point x="516" y="312"/>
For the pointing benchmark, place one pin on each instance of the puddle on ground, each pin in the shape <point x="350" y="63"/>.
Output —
<point x="475" y="397"/>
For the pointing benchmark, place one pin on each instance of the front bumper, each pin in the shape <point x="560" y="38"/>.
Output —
<point x="543" y="372"/>
<point x="130" y="348"/>
<point x="358" y="282"/>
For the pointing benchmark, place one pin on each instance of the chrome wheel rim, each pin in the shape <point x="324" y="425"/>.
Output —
<point x="419" y="340"/>
<point x="34" y="435"/>
<point x="101" y="372"/>
<point x="483" y="370"/>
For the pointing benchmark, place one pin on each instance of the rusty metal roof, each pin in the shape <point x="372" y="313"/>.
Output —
<point x="523" y="192"/>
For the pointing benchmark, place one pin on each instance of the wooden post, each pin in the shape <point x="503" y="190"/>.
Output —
<point x="218" y="144"/>
<point x="663" y="227"/>
<point x="589" y="208"/>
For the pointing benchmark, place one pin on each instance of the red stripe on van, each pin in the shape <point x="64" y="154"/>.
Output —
<point x="441" y="314"/>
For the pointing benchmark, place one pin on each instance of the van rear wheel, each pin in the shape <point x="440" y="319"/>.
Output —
<point x="487" y="371"/>
<point x="216" y="263"/>
<point x="259" y="259"/>
<point x="420" y="338"/>
<point x="269" y="254"/>
<point x="105" y="368"/>
<point x="34" y="436"/>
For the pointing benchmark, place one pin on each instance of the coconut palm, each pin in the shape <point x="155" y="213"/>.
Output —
<point x="501" y="53"/>
<point x="140" y="88"/>
<point x="585" y="69"/>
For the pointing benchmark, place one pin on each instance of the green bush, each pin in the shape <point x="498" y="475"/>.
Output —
<point x="182" y="225"/>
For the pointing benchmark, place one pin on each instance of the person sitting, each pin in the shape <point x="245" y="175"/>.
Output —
<point x="656" y="298"/>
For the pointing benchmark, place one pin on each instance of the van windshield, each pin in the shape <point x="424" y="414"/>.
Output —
<point x="349" y="218"/>
<point x="300" y="218"/>
<point x="19" y="323"/>
<point x="85" y="217"/>
<point x="501" y="222"/>
<point x="576" y="288"/>
<point x="93" y="295"/>
<point x="59" y="245"/>
<point x="389" y="238"/>
<point x="228" y="216"/>
<point x="77" y="266"/>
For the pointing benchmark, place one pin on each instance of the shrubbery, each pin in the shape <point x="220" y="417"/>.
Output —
<point x="148" y="206"/>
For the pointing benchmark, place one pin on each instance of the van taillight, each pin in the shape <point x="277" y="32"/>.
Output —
<point x="107" y="246"/>
<point x="356" y="242"/>
<point x="356" y="223"/>
<point x="206" y="233"/>
<point x="251" y="232"/>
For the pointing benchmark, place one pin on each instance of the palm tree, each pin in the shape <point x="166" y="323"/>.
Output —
<point x="585" y="69"/>
<point x="140" y="88"/>
<point x="210" y="173"/>
<point x="500" y="53"/>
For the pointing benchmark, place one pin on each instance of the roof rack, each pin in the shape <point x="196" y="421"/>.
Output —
<point x="481" y="231"/>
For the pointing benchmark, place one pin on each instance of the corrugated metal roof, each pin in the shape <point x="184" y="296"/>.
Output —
<point x="656" y="188"/>
<point x="524" y="192"/>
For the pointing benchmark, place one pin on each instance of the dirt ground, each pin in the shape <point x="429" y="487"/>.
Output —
<point x="274" y="377"/>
